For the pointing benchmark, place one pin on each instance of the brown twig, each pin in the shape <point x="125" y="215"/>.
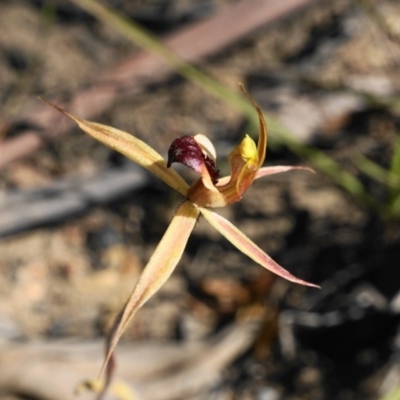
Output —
<point x="157" y="371"/>
<point x="29" y="208"/>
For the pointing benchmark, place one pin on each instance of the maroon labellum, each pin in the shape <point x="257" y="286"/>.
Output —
<point x="186" y="150"/>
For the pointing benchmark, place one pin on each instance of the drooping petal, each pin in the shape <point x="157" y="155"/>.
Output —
<point x="246" y="246"/>
<point x="131" y="147"/>
<point x="157" y="271"/>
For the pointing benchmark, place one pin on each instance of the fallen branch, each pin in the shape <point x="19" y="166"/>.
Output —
<point x="26" y="209"/>
<point x="155" y="371"/>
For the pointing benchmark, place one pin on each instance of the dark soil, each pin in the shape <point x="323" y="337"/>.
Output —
<point x="68" y="277"/>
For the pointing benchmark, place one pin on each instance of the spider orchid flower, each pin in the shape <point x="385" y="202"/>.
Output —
<point x="209" y="191"/>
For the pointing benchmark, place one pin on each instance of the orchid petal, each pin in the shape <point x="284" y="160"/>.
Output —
<point x="247" y="247"/>
<point x="245" y="160"/>
<point x="236" y="162"/>
<point x="166" y="256"/>
<point x="187" y="151"/>
<point x="246" y="178"/>
<point x="131" y="147"/>
<point x="243" y="178"/>
<point x="262" y="138"/>
<point x="244" y="164"/>
<point x="206" y="145"/>
<point x="278" y="169"/>
<point x="265" y="171"/>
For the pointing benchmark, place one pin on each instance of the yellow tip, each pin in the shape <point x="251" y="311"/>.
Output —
<point x="248" y="149"/>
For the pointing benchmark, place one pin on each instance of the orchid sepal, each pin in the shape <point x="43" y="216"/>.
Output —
<point x="131" y="147"/>
<point x="248" y="247"/>
<point x="159" y="268"/>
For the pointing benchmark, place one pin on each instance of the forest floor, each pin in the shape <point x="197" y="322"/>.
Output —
<point x="330" y="73"/>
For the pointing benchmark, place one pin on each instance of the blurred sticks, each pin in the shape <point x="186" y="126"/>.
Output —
<point x="136" y="72"/>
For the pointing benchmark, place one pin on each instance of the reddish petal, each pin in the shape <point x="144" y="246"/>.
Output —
<point x="187" y="151"/>
<point x="246" y="246"/>
<point x="278" y="169"/>
<point x="265" y="171"/>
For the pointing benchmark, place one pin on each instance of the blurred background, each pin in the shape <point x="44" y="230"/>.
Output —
<point x="78" y="222"/>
